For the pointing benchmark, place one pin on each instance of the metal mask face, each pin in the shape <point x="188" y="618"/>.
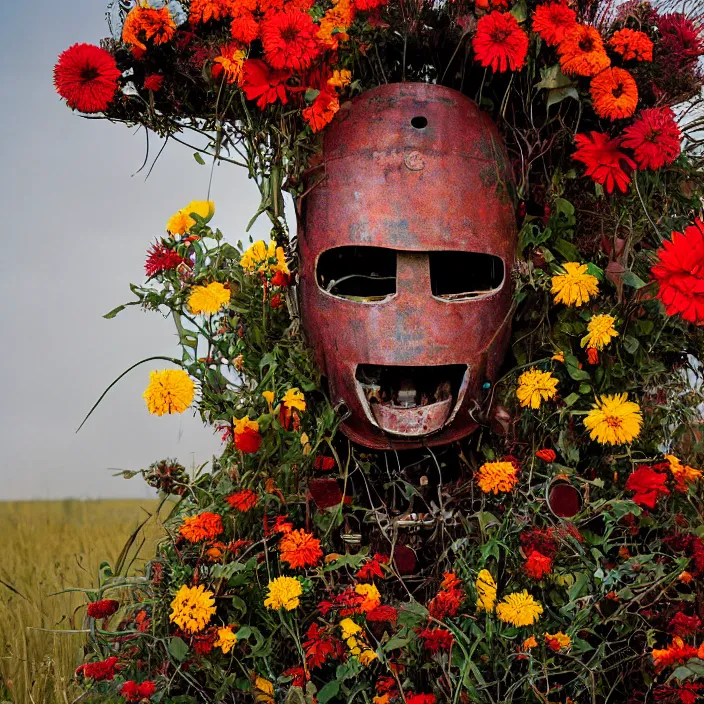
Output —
<point x="407" y="245"/>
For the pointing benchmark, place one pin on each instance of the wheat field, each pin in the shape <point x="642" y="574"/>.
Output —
<point x="48" y="547"/>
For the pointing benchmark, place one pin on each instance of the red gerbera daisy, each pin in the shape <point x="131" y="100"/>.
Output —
<point x="647" y="485"/>
<point x="680" y="273"/>
<point x="85" y="76"/>
<point x="654" y="138"/>
<point x="289" y="39"/>
<point x="262" y="84"/>
<point x="603" y="160"/>
<point x="500" y="42"/>
<point x="161" y="258"/>
<point x="552" y="20"/>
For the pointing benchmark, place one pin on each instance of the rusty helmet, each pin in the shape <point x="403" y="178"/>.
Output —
<point x="406" y="243"/>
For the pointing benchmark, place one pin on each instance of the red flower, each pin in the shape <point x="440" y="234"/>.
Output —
<point x="539" y="540"/>
<point x="686" y="693"/>
<point x="551" y="21"/>
<point x="436" y="639"/>
<point x="319" y="646"/>
<point x="298" y="674"/>
<point x="647" y="485"/>
<point x="366" y="5"/>
<point x="680" y="273"/>
<point x="289" y="39"/>
<point x="603" y="160"/>
<point x="324" y="464"/>
<point x="632" y="44"/>
<point x="277" y="301"/>
<point x="103" y="608"/>
<point x="244" y="28"/>
<point x="321" y="112"/>
<point x="282" y="525"/>
<point x="161" y="258"/>
<point x="420" y="699"/>
<point x="263" y="85"/>
<point x="153" y="82"/>
<point x="281" y="279"/>
<point x="446" y="603"/>
<point x="680" y="37"/>
<point x="102" y="670"/>
<point x="592" y="355"/>
<point x="203" y="643"/>
<point x="500" y="42"/>
<point x="546" y="455"/>
<point x="683" y="625"/>
<point x="133" y="692"/>
<point x="537" y="565"/>
<point x="85" y="76"/>
<point x="654" y="138"/>
<point x="372" y="569"/>
<point x="248" y="441"/>
<point x="382" y="614"/>
<point x="242" y="500"/>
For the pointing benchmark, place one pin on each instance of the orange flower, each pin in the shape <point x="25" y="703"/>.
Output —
<point x="546" y="455"/>
<point x="685" y="577"/>
<point x="334" y="24"/>
<point x="143" y="24"/>
<point x="229" y="62"/>
<point x="206" y="10"/>
<point x="614" y="94"/>
<point x="300" y="549"/>
<point x="322" y="110"/>
<point x="632" y="44"/>
<point x="370" y="597"/>
<point x="204" y="526"/>
<point x="552" y="21"/>
<point x="242" y="500"/>
<point x="592" y="355"/>
<point x="537" y="565"/>
<point x="677" y="653"/>
<point x="582" y="52"/>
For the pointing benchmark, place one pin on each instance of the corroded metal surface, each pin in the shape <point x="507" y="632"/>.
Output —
<point x="438" y="186"/>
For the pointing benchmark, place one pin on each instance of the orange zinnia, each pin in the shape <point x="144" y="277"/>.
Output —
<point x="632" y="44"/>
<point x="145" y="24"/>
<point x="614" y="94"/>
<point x="204" y="526"/>
<point x="582" y="52"/>
<point x="300" y="549"/>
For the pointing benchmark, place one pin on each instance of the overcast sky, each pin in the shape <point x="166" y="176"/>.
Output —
<point x="77" y="225"/>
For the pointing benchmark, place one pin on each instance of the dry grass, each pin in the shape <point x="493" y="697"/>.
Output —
<point x="47" y="547"/>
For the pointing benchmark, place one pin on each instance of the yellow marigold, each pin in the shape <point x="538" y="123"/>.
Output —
<point x="244" y="424"/>
<point x="169" y="391"/>
<point x="519" y="609"/>
<point x="367" y="656"/>
<point x="181" y="221"/>
<point x="334" y="23"/>
<point x="203" y="526"/>
<point x="340" y="79"/>
<point x="258" y="258"/>
<point x="582" y="52"/>
<point x="192" y="608"/>
<point x="559" y="357"/>
<point x="283" y="593"/>
<point x="486" y="591"/>
<point x="226" y="639"/>
<point x="600" y="331"/>
<point x="575" y="287"/>
<point x="558" y="641"/>
<point x="294" y="398"/>
<point x="529" y="643"/>
<point x="268" y="396"/>
<point x="209" y="299"/>
<point x="614" y="420"/>
<point x="497" y="476"/>
<point x="534" y="387"/>
<point x="231" y="59"/>
<point x="263" y="690"/>
<point x="371" y="595"/>
<point x="349" y="628"/>
<point x="683" y="474"/>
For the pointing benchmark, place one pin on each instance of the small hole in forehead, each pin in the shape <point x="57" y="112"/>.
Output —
<point x="419" y="122"/>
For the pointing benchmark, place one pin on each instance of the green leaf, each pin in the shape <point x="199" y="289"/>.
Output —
<point x="115" y="311"/>
<point x="330" y="690"/>
<point x="520" y="11"/>
<point x="594" y="270"/>
<point x="632" y="280"/>
<point x="557" y="95"/>
<point x="630" y="343"/>
<point x="198" y="158"/>
<point x="577" y="374"/>
<point x="571" y="399"/>
<point x="552" y="77"/>
<point x="178" y="649"/>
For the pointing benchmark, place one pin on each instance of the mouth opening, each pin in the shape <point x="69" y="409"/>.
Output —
<point x="411" y="401"/>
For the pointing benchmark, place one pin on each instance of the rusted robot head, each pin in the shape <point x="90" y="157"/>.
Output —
<point x="406" y="246"/>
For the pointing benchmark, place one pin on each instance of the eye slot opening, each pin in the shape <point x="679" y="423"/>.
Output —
<point x="361" y="274"/>
<point x="458" y="276"/>
<point x="419" y="122"/>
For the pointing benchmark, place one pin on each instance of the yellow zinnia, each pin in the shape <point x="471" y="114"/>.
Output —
<point x="614" y="420"/>
<point x="181" y="221"/>
<point x="576" y="286"/>
<point x="519" y="609"/>
<point x="535" y="386"/>
<point x="169" y="391"/>
<point x="497" y="476"/>
<point x="486" y="591"/>
<point x="284" y="593"/>
<point x="294" y="398"/>
<point x="209" y="299"/>
<point x="600" y="331"/>
<point x="192" y="608"/>
<point x="226" y="639"/>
